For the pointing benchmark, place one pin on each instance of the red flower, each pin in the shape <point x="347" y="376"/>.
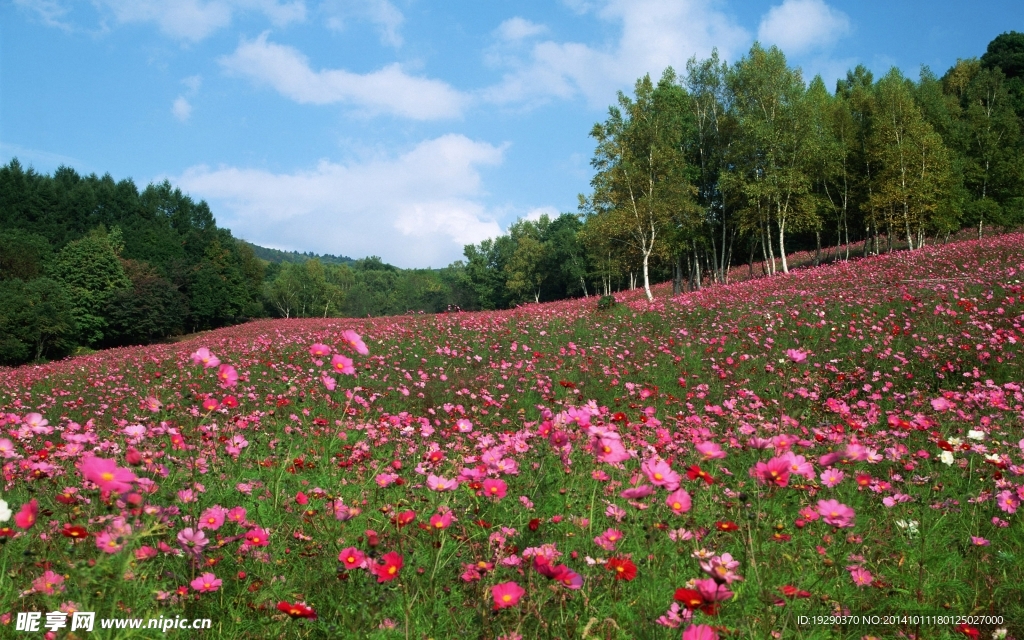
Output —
<point x="623" y="567"/>
<point x="75" y="532"/>
<point x="790" y="591"/>
<point x="297" y="610"/>
<point x="695" y="472"/>
<point x="689" y="598"/>
<point x="727" y="525"/>
<point x="389" y="569"/>
<point x="968" y="630"/>
<point x="404" y="518"/>
<point x="534" y="524"/>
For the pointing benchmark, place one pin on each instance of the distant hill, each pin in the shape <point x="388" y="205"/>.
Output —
<point x="278" y="256"/>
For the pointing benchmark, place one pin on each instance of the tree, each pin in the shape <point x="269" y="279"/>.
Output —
<point x="641" y="168"/>
<point x="36" y="321"/>
<point x="151" y="309"/>
<point x="23" y="255"/>
<point x="91" y="271"/>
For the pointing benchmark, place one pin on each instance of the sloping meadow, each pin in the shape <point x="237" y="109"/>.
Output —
<point x="834" y="453"/>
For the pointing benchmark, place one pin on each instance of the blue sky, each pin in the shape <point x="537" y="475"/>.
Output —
<point x="398" y="128"/>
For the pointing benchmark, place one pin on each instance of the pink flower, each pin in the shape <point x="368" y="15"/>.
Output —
<point x="437" y="483"/>
<point x="796" y="355"/>
<point x="352" y="558"/>
<point x="106" y="474"/>
<point x="941" y="404"/>
<point x="204" y="357"/>
<point x="108" y="542"/>
<point x="441" y="520"/>
<point x="506" y="594"/>
<point x="26" y="516"/>
<point x="48" y="583"/>
<point x="700" y="632"/>
<point x="352" y="339"/>
<point x="608" y="539"/>
<point x="679" y="501"/>
<point x="206" y="583"/>
<point x="495" y="488"/>
<point x="1007" y="501"/>
<point x="193" y="539"/>
<point x="255" y="537"/>
<point x="831" y="477"/>
<point x="610" y="450"/>
<point x="463" y="425"/>
<point x="389" y="569"/>
<point x="636" y="493"/>
<point x="319" y="350"/>
<point x="710" y="450"/>
<point x="329" y="382"/>
<point x="660" y="474"/>
<point x="835" y="513"/>
<point x="775" y="471"/>
<point x="227" y="375"/>
<point x="145" y="552"/>
<point x="981" y="542"/>
<point x="212" y="518"/>
<point x="712" y="590"/>
<point x="341" y="364"/>
<point x="861" y="577"/>
<point x="721" y="568"/>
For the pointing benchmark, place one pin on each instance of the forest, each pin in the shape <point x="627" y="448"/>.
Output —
<point x="717" y="166"/>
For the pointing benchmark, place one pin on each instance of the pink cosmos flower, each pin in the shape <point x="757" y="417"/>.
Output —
<point x="145" y="552"/>
<point x="437" y="483"/>
<point x="506" y="594"/>
<point x="495" y="488"/>
<point x="710" y="450"/>
<point x="679" y="501"/>
<point x="441" y="520"/>
<point x="796" y="355"/>
<point x="49" y="583"/>
<point x="26" y="516"/>
<point x="712" y="590"/>
<point x="636" y="493"/>
<point x="227" y="375"/>
<point x="981" y="542"/>
<point x="835" y="513"/>
<point x="1007" y="501"/>
<point x="463" y="425"/>
<point x="211" y="404"/>
<point x="106" y="474"/>
<point x="610" y="450"/>
<point x="775" y="471"/>
<point x="343" y="365"/>
<point x="799" y="465"/>
<point x="212" y="518"/>
<point x="831" y="477"/>
<point x="660" y="473"/>
<point x="152" y="404"/>
<point x="329" y="382"/>
<point x="389" y="569"/>
<point x="192" y="539"/>
<point x="256" y="537"/>
<point x="608" y="539"/>
<point x="722" y="568"/>
<point x="206" y="583"/>
<point x="319" y="350"/>
<point x="700" y="632"/>
<point x="861" y="576"/>
<point x="204" y="357"/>
<point x="941" y="404"/>
<point x="352" y="339"/>
<point x="352" y="558"/>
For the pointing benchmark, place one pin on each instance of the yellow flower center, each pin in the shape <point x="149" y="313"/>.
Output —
<point x="107" y="476"/>
<point x="506" y="598"/>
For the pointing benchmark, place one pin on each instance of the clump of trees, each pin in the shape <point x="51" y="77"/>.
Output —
<point x="87" y="261"/>
<point x="696" y="172"/>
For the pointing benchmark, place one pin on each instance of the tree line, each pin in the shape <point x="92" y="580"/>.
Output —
<point x="726" y="164"/>
<point x="719" y="166"/>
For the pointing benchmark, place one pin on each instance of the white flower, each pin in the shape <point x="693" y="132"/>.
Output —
<point x="5" y="512"/>
<point x="946" y="457"/>
<point x="956" y="442"/>
<point x="909" y="525"/>
<point x="974" y="434"/>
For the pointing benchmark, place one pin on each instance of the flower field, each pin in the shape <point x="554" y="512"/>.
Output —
<point x="834" y="453"/>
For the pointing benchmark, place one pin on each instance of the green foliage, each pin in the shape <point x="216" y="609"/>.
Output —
<point x="23" y="255"/>
<point x="151" y="309"/>
<point x="606" y="302"/>
<point x="91" y="272"/>
<point x="36" y="320"/>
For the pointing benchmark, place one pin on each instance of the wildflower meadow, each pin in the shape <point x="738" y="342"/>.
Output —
<point x="833" y="453"/>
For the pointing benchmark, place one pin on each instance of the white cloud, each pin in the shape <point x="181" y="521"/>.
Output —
<point x="387" y="90"/>
<point x="52" y="13"/>
<point x="515" y="29"/>
<point x="535" y="213"/>
<point x="196" y="19"/>
<point x="414" y="210"/>
<point x="798" y="26"/>
<point x="655" y="34"/>
<point x="382" y="13"/>
<point x="181" y="109"/>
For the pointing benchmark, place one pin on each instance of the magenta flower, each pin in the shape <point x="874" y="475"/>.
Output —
<point x="352" y="339"/>
<point x="861" y="576"/>
<point x="775" y="471"/>
<point x="831" y="477"/>
<point x="699" y="632"/>
<point x="341" y="364"/>
<point x="610" y="450"/>
<point x="796" y="355"/>
<point x="206" y="583"/>
<point x="441" y="520"/>
<point x="26" y="516"/>
<point x="437" y="483"/>
<point x="48" y="583"/>
<point x="835" y="513"/>
<point x="212" y="518"/>
<point x="227" y="375"/>
<point x="506" y="594"/>
<point x="495" y="488"/>
<point x="660" y="473"/>
<point x="710" y="450"/>
<point x="193" y="539"/>
<point x="106" y="474"/>
<point x="352" y="558"/>
<point x="319" y="350"/>
<point x="204" y="357"/>
<point x="679" y="501"/>
<point x="636" y="493"/>
<point x="722" y="568"/>
<point x="981" y="542"/>
<point x="255" y="537"/>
